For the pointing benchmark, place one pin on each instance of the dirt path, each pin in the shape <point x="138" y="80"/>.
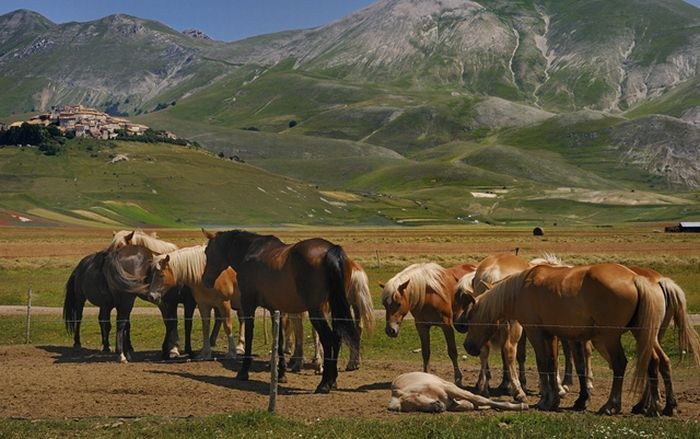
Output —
<point x="56" y="382"/>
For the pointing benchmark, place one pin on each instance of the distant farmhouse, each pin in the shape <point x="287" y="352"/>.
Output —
<point x="685" y="227"/>
<point x="87" y="122"/>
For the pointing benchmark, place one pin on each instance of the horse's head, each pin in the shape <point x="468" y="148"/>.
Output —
<point x="162" y="279"/>
<point x="121" y="239"/>
<point x="216" y="253"/>
<point x="479" y="328"/>
<point x="463" y="299"/>
<point x="397" y="304"/>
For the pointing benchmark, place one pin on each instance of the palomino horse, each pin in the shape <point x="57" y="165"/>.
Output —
<point x="291" y="278"/>
<point x="360" y="299"/>
<point x="596" y="302"/>
<point x="423" y="392"/>
<point x="185" y="267"/>
<point x="427" y="291"/>
<point x="168" y="306"/>
<point x="490" y="270"/>
<point x="109" y="280"/>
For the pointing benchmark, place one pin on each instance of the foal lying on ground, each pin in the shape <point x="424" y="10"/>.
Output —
<point x="423" y="392"/>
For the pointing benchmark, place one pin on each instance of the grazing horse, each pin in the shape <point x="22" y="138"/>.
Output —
<point x="168" y="306"/>
<point x="427" y="292"/>
<point x="360" y="299"/>
<point x="290" y="278"/>
<point x="490" y="270"/>
<point x="423" y="392"/>
<point x="185" y="267"/>
<point x="596" y="302"/>
<point x="109" y="280"/>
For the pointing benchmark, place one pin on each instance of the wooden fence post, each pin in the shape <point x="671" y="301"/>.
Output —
<point x="379" y="263"/>
<point x="274" y="361"/>
<point x="27" y="338"/>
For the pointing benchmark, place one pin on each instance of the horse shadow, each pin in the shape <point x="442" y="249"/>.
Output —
<point x="68" y="354"/>
<point x="229" y="382"/>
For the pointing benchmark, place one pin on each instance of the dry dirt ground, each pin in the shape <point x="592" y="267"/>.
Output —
<point x="55" y="382"/>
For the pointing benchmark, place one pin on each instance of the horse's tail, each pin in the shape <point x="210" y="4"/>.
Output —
<point x="361" y="297"/>
<point x="648" y="321"/>
<point x="70" y="306"/>
<point x="676" y="305"/>
<point x="343" y="321"/>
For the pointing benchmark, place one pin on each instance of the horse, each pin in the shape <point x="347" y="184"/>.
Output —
<point x="596" y="302"/>
<point x="427" y="291"/>
<point x="291" y="278"/>
<point x="108" y="279"/>
<point x="360" y="299"/>
<point x="168" y="306"/>
<point x="492" y="269"/>
<point x="423" y="392"/>
<point x="185" y="267"/>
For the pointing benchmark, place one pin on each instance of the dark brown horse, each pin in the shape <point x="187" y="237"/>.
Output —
<point x="290" y="278"/>
<point x="109" y="280"/>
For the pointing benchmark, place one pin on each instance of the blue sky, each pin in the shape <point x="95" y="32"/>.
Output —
<point x="226" y="20"/>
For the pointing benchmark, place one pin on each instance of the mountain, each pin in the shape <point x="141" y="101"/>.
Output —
<point x="428" y="110"/>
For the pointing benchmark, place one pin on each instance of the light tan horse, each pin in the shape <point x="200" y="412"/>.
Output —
<point x="185" y="266"/>
<point x="509" y="337"/>
<point x="360" y="300"/>
<point x="596" y="302"/>
<point x="138" y="237"/>
<point x="427" y="291"/>
<point x="423" y="392"/>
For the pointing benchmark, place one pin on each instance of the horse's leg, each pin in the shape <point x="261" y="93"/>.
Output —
<point x="249" y="319"/>
<point x="218" y="319"/>
<point x="240" y="346"/>
<point x="124" y="307"/>
<point x="168" y="310"/>
<point x="424" y="335"/>
<point x="611" y="349"/>
<point x="354" y="360"/>
<point x="331" y="344"/>
<point x="205" y="315"/>
<point x="79" y="306"/>
<point x="190" y="306"/>
<point x="579" y="354"/>
<point x="296" y="329"/>
<point x="665" y="369"/>
<point x="568" y="380"/>
<point x="281" y="362"/>
<point x="588" y="351"/>
<point x="482" y="383"/>
<point x="502" y="339"/>
<point x="226" y="314"/>
<point x="452" y="350"/>
<point x="545" y="350"/>
<point x="510" y="351"/>
<point x="318" y="352"/>
<point x="521" y="356"/>
<point x="104" y="319"/>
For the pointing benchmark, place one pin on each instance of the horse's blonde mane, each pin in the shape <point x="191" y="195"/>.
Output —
<point x="421" y="277"/>
<point x="187" y="264"/>
<point x="464" y="285"/>
<point x="140" y="237"/>
<point x="502" y="296"/>
<point x="548" y="259"/>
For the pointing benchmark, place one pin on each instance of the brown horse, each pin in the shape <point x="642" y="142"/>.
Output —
<point x="360" y="299"/>
<point x="508" y="336"/>
<point x="290" y="278"/>
<point x="185" y="267"/>
<point x="597" y="302"/>
<point x="427" y="292"/>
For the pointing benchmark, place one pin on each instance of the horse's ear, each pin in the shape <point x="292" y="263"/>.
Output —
<point x="208" y="234"/>
<point x="403" y="286"/>
<point x="164" y="262"/>
<point x="154" y="235"/>
<point x="381" y="285"/>
<point x="114" y="233"/>
<point x="129" y="237"/>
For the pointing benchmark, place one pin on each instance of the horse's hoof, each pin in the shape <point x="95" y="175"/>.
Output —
<point x="437" y="406"/>
<point x="669" y="410"/>
<point x="351" y="367"/>
<point x="608" y="410"/>
<point x="282" y="380"/>
<point x="240" y="351"/>
<point x="122" y="359"/>
<point x="652" y="413"/>
<point x="520" y="397"/>
<point x="638" y="408"/>
<point x="106" y="349"/>
<point x="77" y="347"/>
<point x="323" y="388"/>
<point x="242" y="376"/>
<point x="580" y="405"/>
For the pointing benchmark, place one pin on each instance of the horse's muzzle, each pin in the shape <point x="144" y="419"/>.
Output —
<point x="154" y="298"/>
<point x="391" y="331"/>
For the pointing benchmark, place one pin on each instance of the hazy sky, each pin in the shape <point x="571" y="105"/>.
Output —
<point x="226" y="20"/>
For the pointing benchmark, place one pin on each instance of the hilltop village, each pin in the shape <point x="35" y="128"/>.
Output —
<point x="84" y="121"/>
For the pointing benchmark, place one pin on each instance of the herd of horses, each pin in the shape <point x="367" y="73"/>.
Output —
<point x="502" y="302"/>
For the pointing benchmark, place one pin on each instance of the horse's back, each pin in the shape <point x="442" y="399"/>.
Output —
<point x="495" y="267"/>
<point x="90" y="281"/>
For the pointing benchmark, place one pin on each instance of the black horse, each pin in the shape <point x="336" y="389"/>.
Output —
<point x="109" y="280"/>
